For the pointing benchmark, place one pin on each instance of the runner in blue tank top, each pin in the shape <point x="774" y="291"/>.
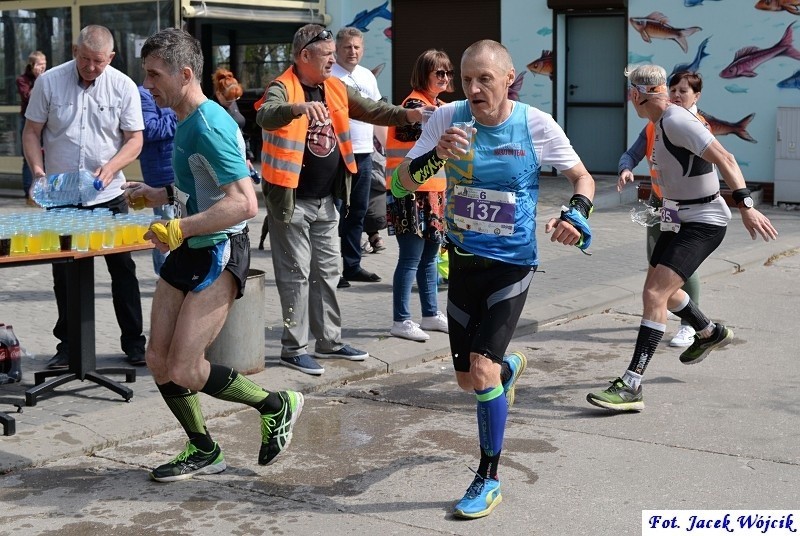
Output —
<point x="492" y="193"/>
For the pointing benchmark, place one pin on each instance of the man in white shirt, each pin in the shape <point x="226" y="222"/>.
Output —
<point x="349" y="51"/>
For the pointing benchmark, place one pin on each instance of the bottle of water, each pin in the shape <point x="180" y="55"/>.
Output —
<point x="14" y="365"/>
<point x="72" y="188"/>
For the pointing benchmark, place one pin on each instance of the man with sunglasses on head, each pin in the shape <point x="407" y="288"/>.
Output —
<point x="349" y="51"/>
<point x="307" y="162"/>
<point x="694" y="218"/>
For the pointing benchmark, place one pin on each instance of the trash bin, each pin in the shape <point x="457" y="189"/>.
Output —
<point x="241" y="342"/>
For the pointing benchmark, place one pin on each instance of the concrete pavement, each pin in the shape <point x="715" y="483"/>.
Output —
<point x="388" y="453"/>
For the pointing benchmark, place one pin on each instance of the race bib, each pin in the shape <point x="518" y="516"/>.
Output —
<point x="181" y="199"/>
<point x="670" y="220"/>
<point x="484" y="211"/>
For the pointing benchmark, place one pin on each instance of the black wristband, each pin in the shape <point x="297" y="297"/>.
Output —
<point x="739" y="195"/>
<point x="424" y="167"/>
<point x="170" y="194"/>
<point x="582" y="204"/>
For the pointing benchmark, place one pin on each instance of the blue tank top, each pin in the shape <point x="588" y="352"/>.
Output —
<point x="492" y="193"/>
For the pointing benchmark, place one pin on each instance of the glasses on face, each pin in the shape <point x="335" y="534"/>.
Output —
<point x="324" y="35"/>
<point x="441" y="73"/>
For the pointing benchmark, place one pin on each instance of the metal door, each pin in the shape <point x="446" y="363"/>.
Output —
<point x="595" y="88"/>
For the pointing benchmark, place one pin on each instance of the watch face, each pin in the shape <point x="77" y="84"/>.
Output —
<point x="747" y="202"/>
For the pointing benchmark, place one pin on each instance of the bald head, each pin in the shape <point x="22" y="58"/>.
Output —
<point x="96" y="38"/>
<point x="499" y="53"/>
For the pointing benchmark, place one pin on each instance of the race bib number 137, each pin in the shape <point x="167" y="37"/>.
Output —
<point x="484" y="211"/>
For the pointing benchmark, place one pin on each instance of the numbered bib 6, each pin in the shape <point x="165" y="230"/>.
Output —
<point x="484" y="211"/>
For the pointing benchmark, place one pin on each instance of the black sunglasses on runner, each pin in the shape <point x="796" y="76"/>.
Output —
<point x="324" y="35"/>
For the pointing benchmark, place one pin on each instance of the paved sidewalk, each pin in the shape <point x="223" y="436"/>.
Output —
<point x="82" y="417"/>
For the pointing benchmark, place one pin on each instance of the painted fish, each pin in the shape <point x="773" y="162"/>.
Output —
<point x="692" y="3"/>
<point x="378" y="69"/>
<point x="791" y="6"/>
<point x="388" y="32"/>
<point x="365" y="18"/>
<point x="543" y="65"/>
<point x="791" y="82"/>
<point x="654" y="26"/>
<point x="735" y="88"/>
<point x="515" y="87"/>
<point x="747" y="59"/>
<point x="695" y="65"/>
<point x="544" y="31"/>
<point x="639" y="58"/>
<point x="721" y="128"/>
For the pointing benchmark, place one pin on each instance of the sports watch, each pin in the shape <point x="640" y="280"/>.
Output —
<point x="746" y="202"/>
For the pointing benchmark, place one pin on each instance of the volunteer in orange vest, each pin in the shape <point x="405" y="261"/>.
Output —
<point x="307" y="163"/>
<point x="417" y="220"/>
<point x="684" y="90"/>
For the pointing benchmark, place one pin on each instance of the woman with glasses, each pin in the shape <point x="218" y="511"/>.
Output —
<point x="416" y="220"/>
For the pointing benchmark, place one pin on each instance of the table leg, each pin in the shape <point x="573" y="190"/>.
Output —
<point x="9" y="424"/>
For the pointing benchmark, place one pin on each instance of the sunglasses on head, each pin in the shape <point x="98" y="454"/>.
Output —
<point x="441" y="73"/>
<point x="324" y="35"/>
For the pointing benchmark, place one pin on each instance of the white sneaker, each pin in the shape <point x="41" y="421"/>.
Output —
<point x="672" y="316"/>
<point x="435" y="323"/>
<point x="407" y="329"/>
<point x="684" y="337"/>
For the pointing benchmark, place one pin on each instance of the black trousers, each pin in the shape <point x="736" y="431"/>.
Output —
<point x="124" y="292"/>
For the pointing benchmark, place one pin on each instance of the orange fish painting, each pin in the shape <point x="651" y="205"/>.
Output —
<point x="791" y="6"/>
<point x="721" y="128"/>
<point x="654" y="26"/>
<point x="543" y="65"/>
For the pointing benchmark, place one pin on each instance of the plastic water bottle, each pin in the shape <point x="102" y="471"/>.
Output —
<point x="14" y="368"/>
<point x="5" y="360"/>
<point x="72" y="188"/>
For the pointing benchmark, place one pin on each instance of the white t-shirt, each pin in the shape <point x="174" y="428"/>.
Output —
<point x="84" y="127"/>
<point x="365" y="82"/>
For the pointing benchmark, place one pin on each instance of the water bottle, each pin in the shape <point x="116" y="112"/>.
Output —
<point x="72" y="188"/>
<point x="14" y="368"/>
<point x="4" y="357"/>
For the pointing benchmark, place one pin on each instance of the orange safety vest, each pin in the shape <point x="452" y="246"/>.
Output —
<point x="282" y="149"/>
<point x="650" y="133"/>
<point x="396" y="152"/>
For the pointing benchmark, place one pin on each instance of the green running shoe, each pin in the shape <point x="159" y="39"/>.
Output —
<point x="618" y="397"/>
<point x="700" y="348"/>
<point x="276" y="428"/>
<point x="517" y="362"/>
<point x="481" y="498"/>
<point x="192" y="461"/>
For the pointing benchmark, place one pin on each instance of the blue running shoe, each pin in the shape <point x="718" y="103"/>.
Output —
<point x="517" y="362"/>
<point x="481" y="498"/>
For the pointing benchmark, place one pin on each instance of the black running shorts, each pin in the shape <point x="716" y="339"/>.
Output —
<point x="485" y="298"/>
<point x="683" y="252"/>
<point x="192" y="270"/>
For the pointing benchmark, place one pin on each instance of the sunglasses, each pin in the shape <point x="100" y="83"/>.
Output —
<point x="324" y="35"/>
<point x="441" y="73"/>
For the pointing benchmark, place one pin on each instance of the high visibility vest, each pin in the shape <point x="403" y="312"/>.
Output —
<point x="282" y="149"/>
<point x="396" y="152"/>
<point x="650" y="132"/>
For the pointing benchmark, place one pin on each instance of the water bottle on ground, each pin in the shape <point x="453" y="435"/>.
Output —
<point x="4" y="357"/>
<point x="14" y="368"/>
<point x="60" y="189"/>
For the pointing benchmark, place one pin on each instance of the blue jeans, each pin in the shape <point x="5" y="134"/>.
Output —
<point x="417" y="258"/>
<point x="351" y="225"/>
<point x="165" y="212"/>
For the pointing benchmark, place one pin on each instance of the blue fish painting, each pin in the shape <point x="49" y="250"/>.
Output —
<point x="793" y="82"/>
<point x="544" y="31"/>
<point x="693" y="3"/>
<point x="735" y="88"/>
<point x="365" y="18"/>
<point x="633" y="57"/>
<point x="695" y="65"/>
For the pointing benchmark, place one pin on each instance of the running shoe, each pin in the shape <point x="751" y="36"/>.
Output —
<point x="700" y="348"/>
<point x="438" y="322"/>
<point x="276" y="428"/>
<point x="517" y="362"/>
<point x="192" y="461"/>
<point x="684" y="337"/>
<point x="481" y="498"/>
<point x="618" y="397"/>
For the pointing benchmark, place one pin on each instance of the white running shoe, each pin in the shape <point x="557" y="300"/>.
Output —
<point x="684" y="337"/>
<point x="435" y="323"/>
<point x="408" y="329"/>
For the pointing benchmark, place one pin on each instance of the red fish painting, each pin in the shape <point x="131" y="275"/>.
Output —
<point x="747" y="59"/>
<point x="655" y="26"/>
<point x="543" y="65"/>
<point x="721" y="128"/>
<point x="791" y="6"/>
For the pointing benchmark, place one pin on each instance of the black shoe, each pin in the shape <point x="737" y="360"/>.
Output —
<point x="192" y="461"/>
<point x="136" y="357"/>
<point x="363" y="275"/>
<point x="343" y="283"/>
<point x="58" y="361"/>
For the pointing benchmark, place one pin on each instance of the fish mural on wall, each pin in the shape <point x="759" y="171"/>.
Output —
<point x="364" y="18"/>
<point x="655" y="26"/>
<point x="790" y="6"/>
<point x="793" y="82"/>
<point x="378" y="69"/>
<point x="748" y="58"/>
<point x="639" y="58"/>
<point x="693" y="3"/>
<point x="722" y="128"/>
<point x="543" y="65"/>
<point x="544" y="31"/>
<point x="516" y="87"/>
<point x="695" y="65"/>
<point x="388" y="32"/>
<point x="735" y="88"/>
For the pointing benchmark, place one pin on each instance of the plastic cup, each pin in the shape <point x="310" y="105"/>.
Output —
<point x="109" y="235"/>
<point x="467" y="128"/>
<point x="96" y="239"/>
<point x="426" y="114"/>
<point x="81" y="237"/>
<point x="5" y="247"/>
<point x="65" y="241"/>
<point x="33" y="241"/>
